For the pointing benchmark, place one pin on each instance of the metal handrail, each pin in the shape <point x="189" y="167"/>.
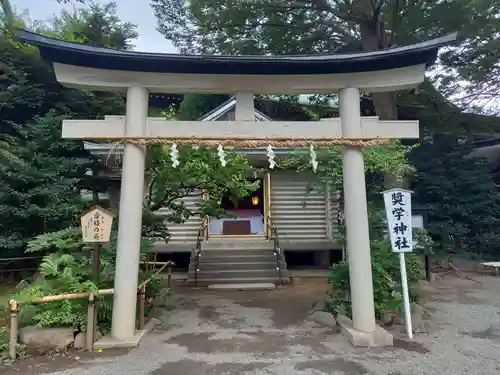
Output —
<point x="201" y="236"/>
<point x="272" y="233"/>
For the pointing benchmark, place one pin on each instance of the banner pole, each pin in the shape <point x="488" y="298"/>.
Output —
<point x="406" y="297"/>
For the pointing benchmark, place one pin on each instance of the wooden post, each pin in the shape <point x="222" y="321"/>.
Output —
<point x="427" y="268"/>
<point x="96" y="263"/>
<point x="90" y="322"/>
<point x="96" y="270"/>
<point x="142" y="303"/>
<point x="169" y="277"/>
<point x="14" y="310"/>
<point x="96" y="229"/>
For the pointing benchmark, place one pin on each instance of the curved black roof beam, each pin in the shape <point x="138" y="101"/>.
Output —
<point x="70" y="53"/>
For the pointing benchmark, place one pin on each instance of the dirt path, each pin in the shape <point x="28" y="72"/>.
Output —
<point x="269" y="333"/>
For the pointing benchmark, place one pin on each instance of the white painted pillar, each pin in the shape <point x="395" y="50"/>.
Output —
<point x="356" y="216"/>
<point x="245" y="109"/>
<point x="130" y="220"/>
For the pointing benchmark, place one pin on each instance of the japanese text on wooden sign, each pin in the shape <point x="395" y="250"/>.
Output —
<point x="398" y="211"/>
<point x="96" y="225"/>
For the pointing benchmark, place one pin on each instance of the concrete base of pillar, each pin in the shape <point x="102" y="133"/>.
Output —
<point x="380" y="337"/>
<point x="108" y="342"/>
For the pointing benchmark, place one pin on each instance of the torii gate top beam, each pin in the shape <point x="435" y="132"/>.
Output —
<point x="78" y="65"/>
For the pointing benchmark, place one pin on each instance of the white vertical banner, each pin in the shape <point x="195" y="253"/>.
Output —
<point x="398" y="211"/>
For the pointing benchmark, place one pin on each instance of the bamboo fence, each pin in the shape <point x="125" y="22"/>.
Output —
<point x="92" y="299"/>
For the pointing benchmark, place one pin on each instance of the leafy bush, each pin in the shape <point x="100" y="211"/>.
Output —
<point x="68" y="269"/>
<point x="385" y="264"/>
<point x="385" y="273"/>
<point x="21" y="349"/>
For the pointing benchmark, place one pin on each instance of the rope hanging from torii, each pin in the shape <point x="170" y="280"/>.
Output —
<point x="238" y="142"/>
<point x="268" y="142"/>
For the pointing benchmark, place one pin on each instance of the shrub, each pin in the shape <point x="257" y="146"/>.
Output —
<point x="385" y="273"/>
<point x="68" y="269"/>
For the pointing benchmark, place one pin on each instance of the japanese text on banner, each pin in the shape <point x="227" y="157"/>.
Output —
<point x="398" y="210"/>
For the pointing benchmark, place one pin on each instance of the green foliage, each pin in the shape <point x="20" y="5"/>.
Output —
<point x="21" y="350"/>
<point x="423" y="242"/>
<point x="387" y="292"/>
<point x="68" y="269"/>
<point x="42" y="193"/>
<point x="96" y="23"/>
<point x="199" y="173"/>
<point x="67" y="240"/>
<point x="385" y="264"/>
<point x="461" y="199"/>
<point x="322" y="27"/>
<point x="41" y="173"/>
<point x="193" y="106"/>
<point x="390" y="159"/>
<point x="58" y="273"/>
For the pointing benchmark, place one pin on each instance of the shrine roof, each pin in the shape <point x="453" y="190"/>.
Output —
<point x="83" y="55"/>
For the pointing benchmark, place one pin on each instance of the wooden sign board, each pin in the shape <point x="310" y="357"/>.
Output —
<point x="96" y="225"/>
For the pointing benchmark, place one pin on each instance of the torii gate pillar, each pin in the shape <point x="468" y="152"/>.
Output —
<point x="130" y="223"/>
<point x="356" y="216"/>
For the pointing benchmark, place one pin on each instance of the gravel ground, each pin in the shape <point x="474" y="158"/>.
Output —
<point x="268" y="333"/>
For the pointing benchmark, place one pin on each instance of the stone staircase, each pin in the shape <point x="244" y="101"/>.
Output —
<point x="237" y="261"/>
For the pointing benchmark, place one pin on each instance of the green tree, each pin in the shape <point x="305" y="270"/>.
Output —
<point x="193" y="106"/>
<point x="329" y="26"/>
<point x="42" y="193"/>
<point x="42" y="174"/>
<point x="463" y="205"/>
<point x="96" y="24"/>
<point x="200" y="172"/>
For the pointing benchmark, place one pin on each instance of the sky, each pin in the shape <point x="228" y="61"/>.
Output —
<point x="149" y="39"/>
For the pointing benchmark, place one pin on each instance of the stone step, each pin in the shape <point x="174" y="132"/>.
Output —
<point x="230" y="274"/>
<point x="239" y="280"/>
<point x="237" y="244"/>
<point x="242" y="287"/>
<point x="237" y="261"/>
<point x="233" y="252"/>
<point x="210" y="258"/>
<point x="229" y="265"/>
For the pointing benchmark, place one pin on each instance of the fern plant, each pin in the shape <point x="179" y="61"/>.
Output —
<point x="67" y="268"/>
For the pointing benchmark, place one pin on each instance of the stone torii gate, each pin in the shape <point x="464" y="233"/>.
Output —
<point x="138" y="74"/>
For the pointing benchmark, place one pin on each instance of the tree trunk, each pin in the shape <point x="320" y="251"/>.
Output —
<point x="385" y="105"/>
<point x="373" y="38"/>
